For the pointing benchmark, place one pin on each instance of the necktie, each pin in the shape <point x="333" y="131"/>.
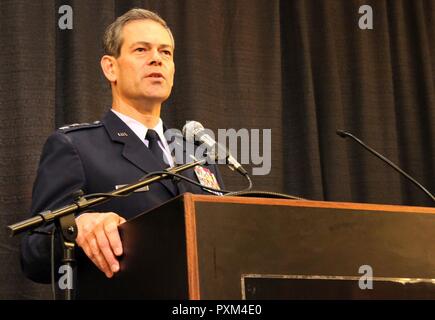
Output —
<point x="153" y="145"/>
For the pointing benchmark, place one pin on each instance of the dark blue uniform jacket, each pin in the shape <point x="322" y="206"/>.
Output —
<point x="94" y="158"/>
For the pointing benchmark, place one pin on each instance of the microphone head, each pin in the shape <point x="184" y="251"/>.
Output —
<point x="191" y="129"/>
<point x="341" y="133"/>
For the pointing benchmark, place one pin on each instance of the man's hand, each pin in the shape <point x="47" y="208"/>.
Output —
<point x="98" y="236"/>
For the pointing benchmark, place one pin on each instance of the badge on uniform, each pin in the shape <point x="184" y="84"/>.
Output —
<point x="207" y="179"/>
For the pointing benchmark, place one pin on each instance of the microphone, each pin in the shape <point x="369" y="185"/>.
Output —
<point x="345" y="134"/>
<point x="194" y="131"/>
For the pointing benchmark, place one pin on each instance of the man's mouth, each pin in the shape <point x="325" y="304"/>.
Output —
<point x="155" y="75"/>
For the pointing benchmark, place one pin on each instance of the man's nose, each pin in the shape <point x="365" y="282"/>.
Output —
<point x="156" y="59"/>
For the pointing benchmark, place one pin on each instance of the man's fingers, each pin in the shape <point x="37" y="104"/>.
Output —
<point x="87" y="249"/>
<point x="112" y="233"/>
<point x="84" y="244"/>
<point x="106" y="249"/>
<point x="97" y="256"/>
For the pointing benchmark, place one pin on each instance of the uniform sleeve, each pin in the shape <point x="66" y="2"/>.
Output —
<point x="60" y="174"/>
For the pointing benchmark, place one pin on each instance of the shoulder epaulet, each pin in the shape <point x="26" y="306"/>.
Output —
<point x="78" y="126"/>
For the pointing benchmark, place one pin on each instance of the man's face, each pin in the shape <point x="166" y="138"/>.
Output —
<point x="145" y="68"/>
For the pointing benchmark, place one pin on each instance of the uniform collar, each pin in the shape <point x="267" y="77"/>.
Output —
<point x="139" y="128"/>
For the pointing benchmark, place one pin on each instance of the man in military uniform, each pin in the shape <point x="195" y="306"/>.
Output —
<point x="121" y="148"/>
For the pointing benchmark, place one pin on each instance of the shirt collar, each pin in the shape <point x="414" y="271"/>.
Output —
<point x="139" y="128"/>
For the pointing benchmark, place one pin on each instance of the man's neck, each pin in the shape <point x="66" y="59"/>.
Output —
<point x="146" y="113"/>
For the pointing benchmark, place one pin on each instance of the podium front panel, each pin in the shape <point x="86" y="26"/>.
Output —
<point x="235" y="239"/>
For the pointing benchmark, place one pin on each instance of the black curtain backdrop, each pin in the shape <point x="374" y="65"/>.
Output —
<point x="300" y="68"/>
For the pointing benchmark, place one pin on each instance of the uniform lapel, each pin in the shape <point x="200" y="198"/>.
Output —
<point x="134" y="149"/>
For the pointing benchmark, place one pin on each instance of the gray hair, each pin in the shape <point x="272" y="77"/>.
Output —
<point x="112" y="40"/>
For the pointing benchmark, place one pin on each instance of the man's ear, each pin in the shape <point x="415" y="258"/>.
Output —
<point x="108" y="64"/>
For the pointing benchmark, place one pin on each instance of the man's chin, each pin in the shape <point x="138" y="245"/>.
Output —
<point x="156" y="95"/>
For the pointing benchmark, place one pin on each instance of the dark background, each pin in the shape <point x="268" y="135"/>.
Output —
<point x="300" y="68"/>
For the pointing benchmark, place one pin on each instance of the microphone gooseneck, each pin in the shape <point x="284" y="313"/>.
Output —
<point x="345" y="134"/>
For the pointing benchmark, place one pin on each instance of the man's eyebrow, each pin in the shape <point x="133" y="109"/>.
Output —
<point x="144" y="43"/>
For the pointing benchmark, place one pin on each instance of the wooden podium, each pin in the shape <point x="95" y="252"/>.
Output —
<point x="209" y="247"/>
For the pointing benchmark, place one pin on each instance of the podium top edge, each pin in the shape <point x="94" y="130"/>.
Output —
<point x="309" y="203"/>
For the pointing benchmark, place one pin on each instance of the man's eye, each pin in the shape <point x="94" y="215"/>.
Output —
<point x="167" y="52"/>
<point x="140" y="50"/>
